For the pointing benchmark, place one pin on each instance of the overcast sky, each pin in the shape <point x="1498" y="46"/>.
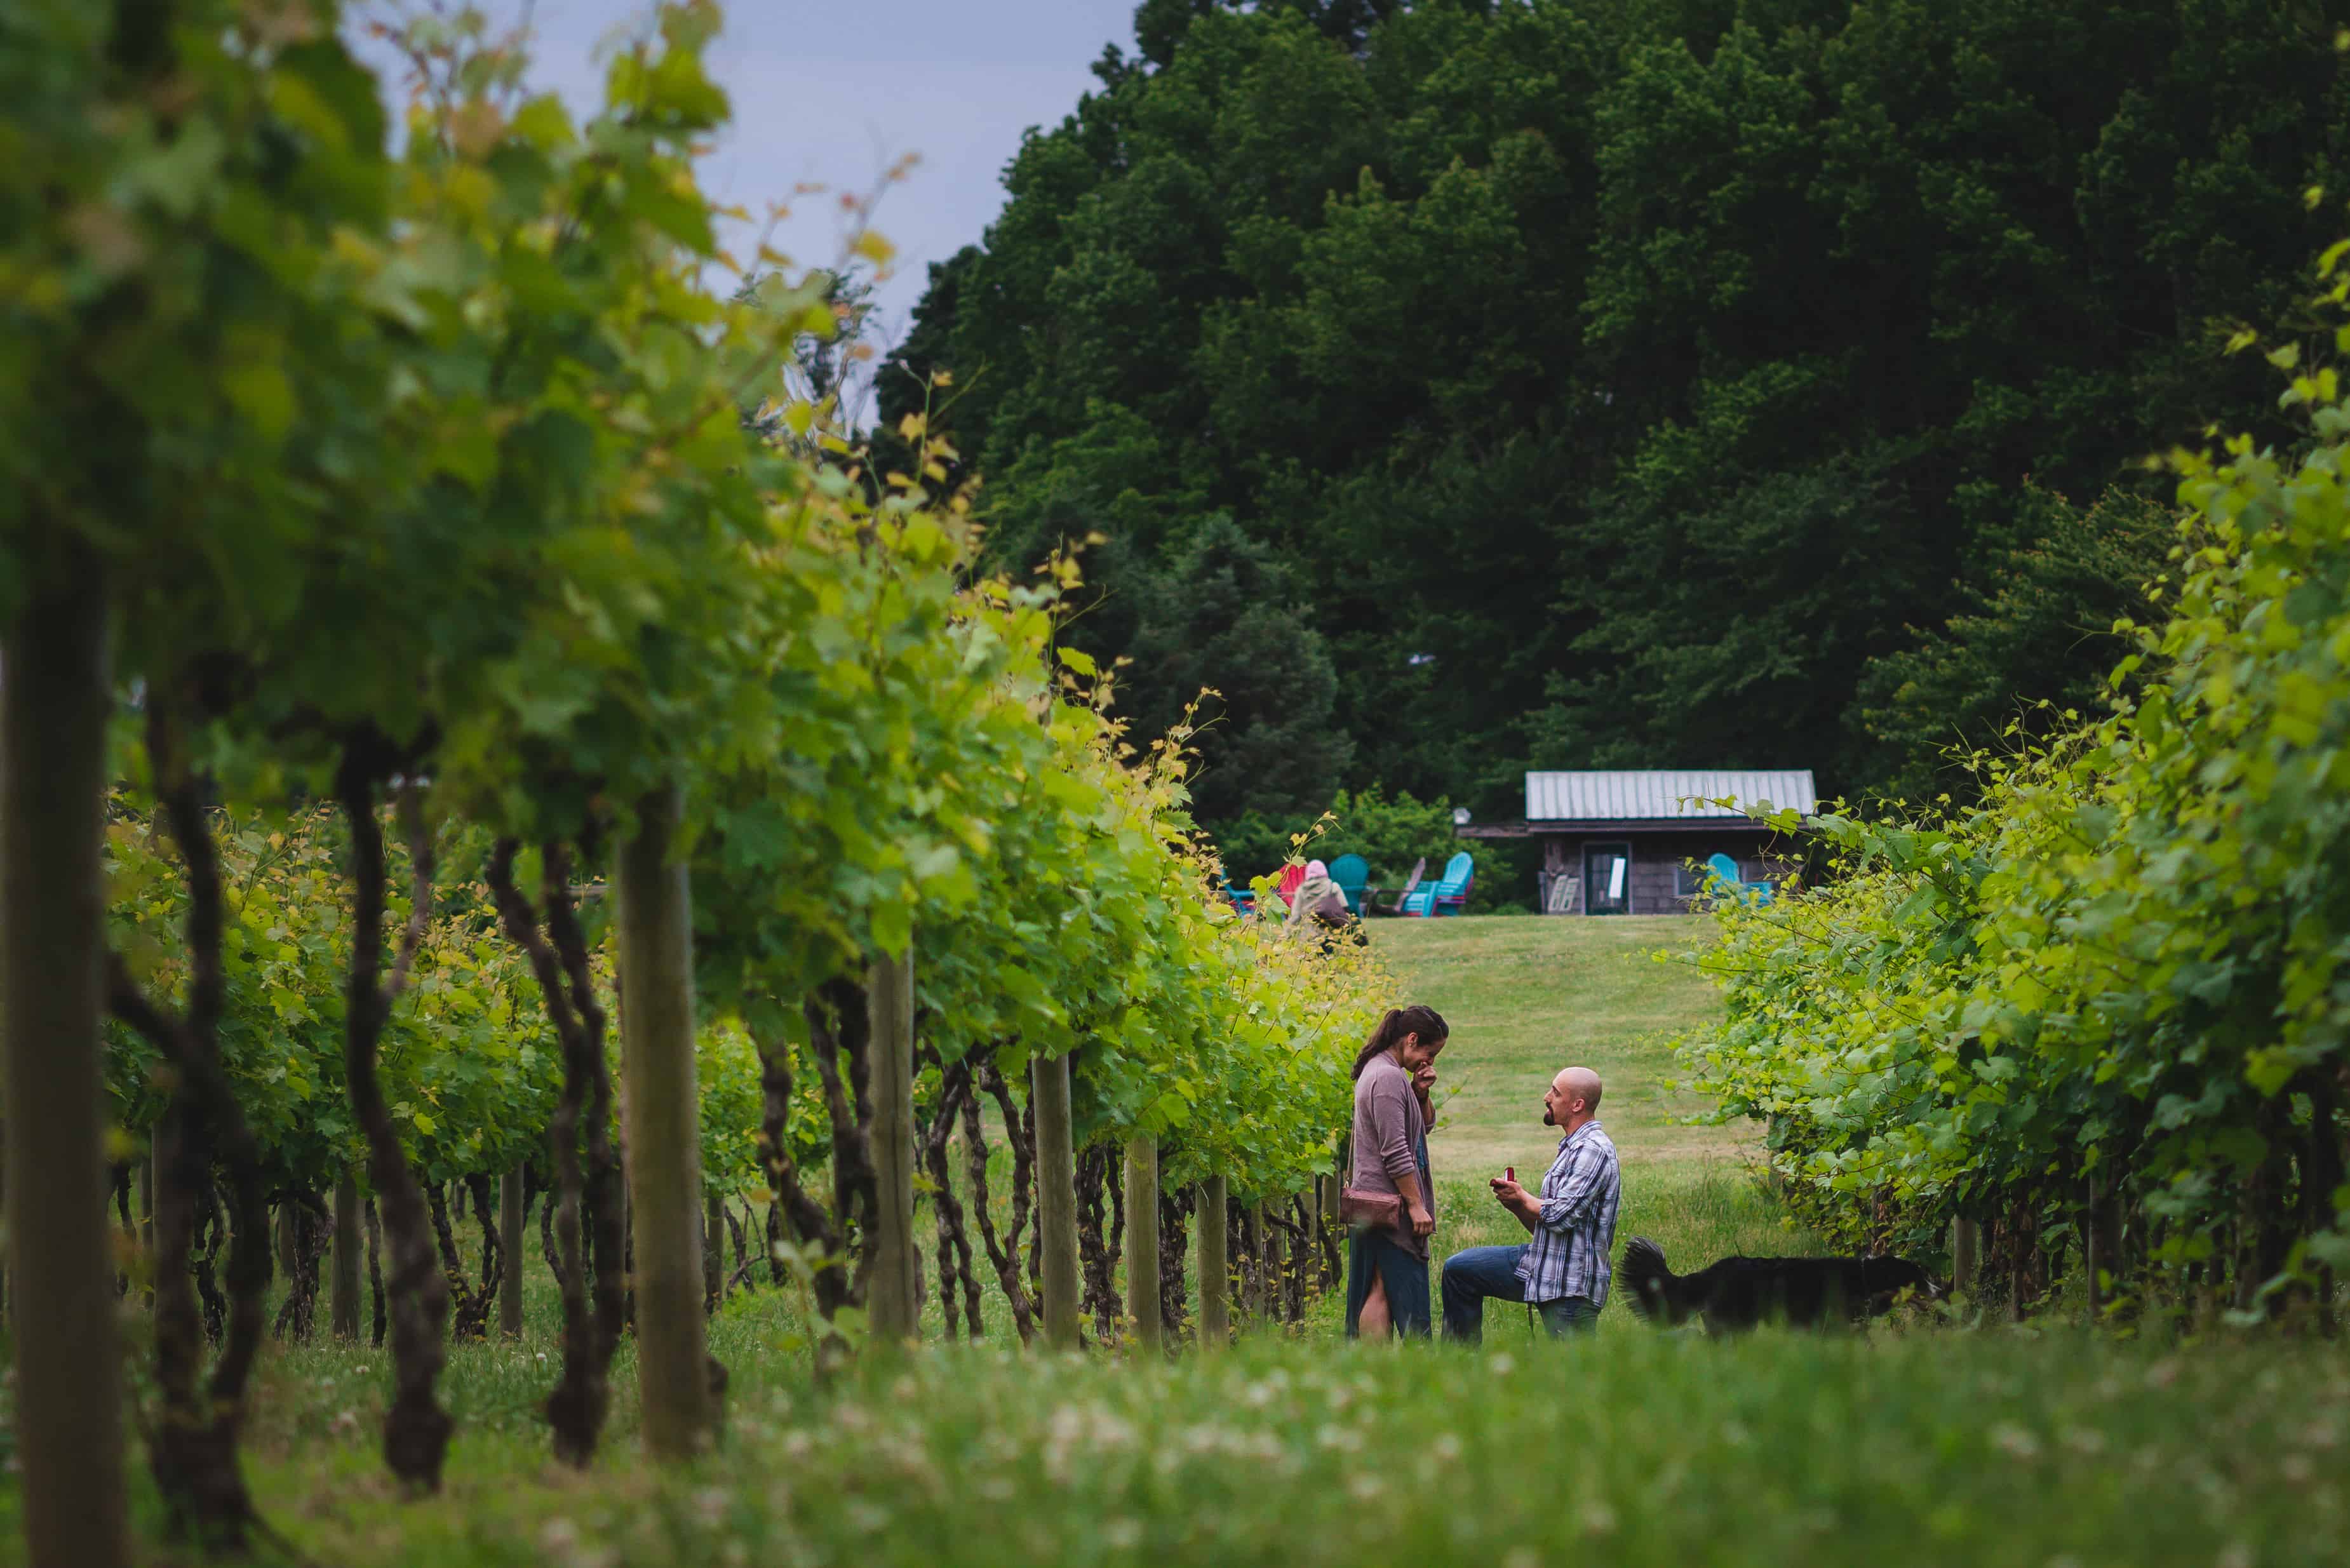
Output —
<point x="834" y="93"/>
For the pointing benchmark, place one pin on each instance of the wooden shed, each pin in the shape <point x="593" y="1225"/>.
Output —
<point x="1622" y="843"/>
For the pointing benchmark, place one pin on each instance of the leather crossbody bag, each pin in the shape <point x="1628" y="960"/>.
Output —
<point x="1362" y="1211"/>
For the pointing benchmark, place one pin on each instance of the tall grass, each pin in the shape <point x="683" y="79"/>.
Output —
<point x="1989" y="1447"/>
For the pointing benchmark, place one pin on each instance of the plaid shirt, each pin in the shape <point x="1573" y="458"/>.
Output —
<point x="1567" y="1254"/>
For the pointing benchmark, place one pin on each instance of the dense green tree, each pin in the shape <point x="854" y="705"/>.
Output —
<point x="1617" y="383"/>
<point x="1219" y="616"/>
<point x="2035" y="644"/>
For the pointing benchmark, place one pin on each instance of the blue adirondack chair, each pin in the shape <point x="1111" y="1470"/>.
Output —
<point x="1353" y="875"/>
<point x="1447" y="895"/>
<point x="1460" y="875"/>
<point x="1725" y="871"/>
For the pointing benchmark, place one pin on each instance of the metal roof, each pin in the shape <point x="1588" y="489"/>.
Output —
<point x="1664" y="796"/>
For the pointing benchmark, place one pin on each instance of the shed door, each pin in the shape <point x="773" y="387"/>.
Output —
<point x="1608" y="878"/>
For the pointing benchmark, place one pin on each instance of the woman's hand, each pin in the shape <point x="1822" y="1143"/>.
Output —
<point x="1424" y="1080"/>
<point x="1422" y="1221"/>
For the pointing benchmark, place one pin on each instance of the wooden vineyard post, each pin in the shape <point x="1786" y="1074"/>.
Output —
<point x="1259" y="1290"/>
<point x="1277" y="1263"/>
<point x="894" y="1301"/>
<point x="146" y="1203"/>
<point x="147" y="1226"/>
<point x="54" y="700"/>
<point x="1966" y="1253"/>
<point x="1215" y="1279"/>
<point x="2098" y="1249"/>
<point x="664" y="1133"/>
<point x="1056" y="1199"/>
<point x="1326" y="1229"/>
<point x="510" y="1228"/>
<point x="343" y="1265"/>
<point x="713" y="1252"/>
<point x="1142" y="1299"/>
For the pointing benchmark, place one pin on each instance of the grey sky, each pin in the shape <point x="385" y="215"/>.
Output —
<point x="833" y="93"/>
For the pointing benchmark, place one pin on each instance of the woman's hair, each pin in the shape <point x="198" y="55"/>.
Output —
<point x="1424" y="1022"/>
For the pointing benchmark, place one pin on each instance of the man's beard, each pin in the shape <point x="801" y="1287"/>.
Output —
<point x="1549" y="1120"/>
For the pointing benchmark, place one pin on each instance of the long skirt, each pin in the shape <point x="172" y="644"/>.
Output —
<point x="1405" y="1278"/>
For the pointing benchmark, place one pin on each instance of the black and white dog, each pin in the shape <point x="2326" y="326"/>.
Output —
<point x="1740" y="1292"/>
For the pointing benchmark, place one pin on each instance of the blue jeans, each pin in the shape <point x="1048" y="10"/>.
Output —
<point x="1479" y="1271"/>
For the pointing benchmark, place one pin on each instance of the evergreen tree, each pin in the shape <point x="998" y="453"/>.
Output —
<point x="1221" y="615"/>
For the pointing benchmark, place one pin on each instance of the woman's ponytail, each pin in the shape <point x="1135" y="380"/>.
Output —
<point x="1424" y="1022"/>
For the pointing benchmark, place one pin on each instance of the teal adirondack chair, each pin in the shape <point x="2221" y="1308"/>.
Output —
<point x="1447" y="895"/>
<point x="1725" y="871"/>
<point x="1353" y="875"/>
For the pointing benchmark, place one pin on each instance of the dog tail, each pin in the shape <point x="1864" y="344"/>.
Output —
<point x="1651" y="1282"/>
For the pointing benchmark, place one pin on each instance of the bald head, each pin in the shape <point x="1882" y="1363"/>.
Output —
<point x="1574" y="1098"/>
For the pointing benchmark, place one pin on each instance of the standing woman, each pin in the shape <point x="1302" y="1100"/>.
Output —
<point x="1389" y="1202"/>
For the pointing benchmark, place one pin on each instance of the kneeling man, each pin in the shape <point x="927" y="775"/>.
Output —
<point x="1563" y="1271"/>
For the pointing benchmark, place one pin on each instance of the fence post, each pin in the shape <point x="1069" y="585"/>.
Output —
<point x="1142" y="1301"/>
<point x="147" y="1224"/>
<point x="1966" y="1253"/>
<point x="343" y="1304"/>
<point x="2097" y="1247"/>
<point x="1333" y="1259"/>
<point x="54" y="707"/>
<point x="510" y="1228"/>
<point x="664" y="1133"/>
<point x="1056" y="1199"/>
<point x="713" y="1252"/>
<point x="1278" y="1261"/>
<point x="895" y="1297"/>
<point x="1260" y="1273"/>
<point x="1215" y="1277"/>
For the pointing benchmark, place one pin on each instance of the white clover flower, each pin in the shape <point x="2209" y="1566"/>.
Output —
<point x="2015" y="1441"/>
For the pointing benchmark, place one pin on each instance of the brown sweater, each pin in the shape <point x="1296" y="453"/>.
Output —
<point x="1388" y="1125"/>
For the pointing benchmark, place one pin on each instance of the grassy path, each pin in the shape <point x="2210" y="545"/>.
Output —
<point x="1526" y="996"/>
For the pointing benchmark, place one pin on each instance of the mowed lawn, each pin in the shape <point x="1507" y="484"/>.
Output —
<point x="1528" y="995"/>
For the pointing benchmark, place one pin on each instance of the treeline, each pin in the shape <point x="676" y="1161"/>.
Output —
<point x="2094" y="1030"/>
<point x="465" y="722"/>
<point x="1470" y="384"/>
